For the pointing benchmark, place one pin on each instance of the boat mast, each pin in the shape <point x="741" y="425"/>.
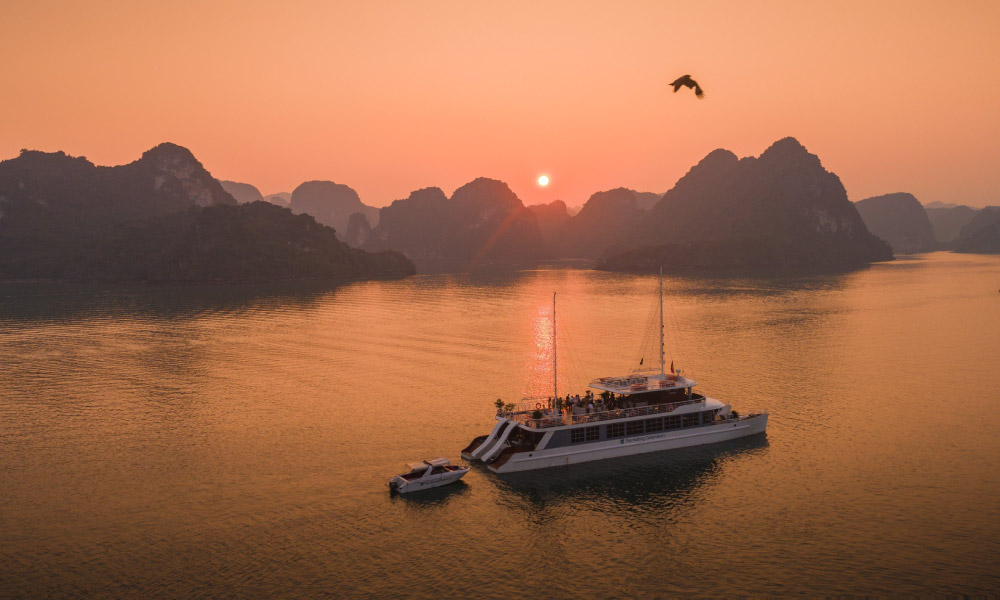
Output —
<point x="662" y="371"/>
<point x="555" y="354"/>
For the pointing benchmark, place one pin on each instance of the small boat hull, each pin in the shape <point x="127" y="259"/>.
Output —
<point x="401" y="485"/>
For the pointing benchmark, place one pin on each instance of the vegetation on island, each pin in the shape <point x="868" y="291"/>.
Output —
<point x="160" y="218"/>
<point x="779" y="210"/>
<point x="255" y="242"/>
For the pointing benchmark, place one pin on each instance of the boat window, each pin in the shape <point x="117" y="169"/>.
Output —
<point x="689" y="420"/>
<point x="616" y="430"/>
<point x="672" y="422"/>
<point x="437" y="470"/>
<point x="576" y="436"/>
<point x="593" y="434"/>
<point x="654" y="425"/>
<point x="633" y="428"/>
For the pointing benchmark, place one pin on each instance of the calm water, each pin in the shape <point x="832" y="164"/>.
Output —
<point x="231" y="443"/>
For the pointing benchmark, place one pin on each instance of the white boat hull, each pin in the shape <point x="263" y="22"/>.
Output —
<point x="627" y="446"/>
<point x="405" y="486"/>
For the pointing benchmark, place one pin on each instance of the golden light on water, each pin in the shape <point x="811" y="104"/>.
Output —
<point x="540" y="361"/>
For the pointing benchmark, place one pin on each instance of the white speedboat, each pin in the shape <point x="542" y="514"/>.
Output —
<point x="644" y="411"/>
<point x="427" y="474"/>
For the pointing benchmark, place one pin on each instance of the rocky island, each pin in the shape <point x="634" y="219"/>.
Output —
<point x="779" y="210"/>
<point x="899" y="219"/>
<point x="243" y="193"/>
<point x="982" y="234"/>
<point x="162" y="218"/>
<point x="482" y="224"/>
<point x="332" y="204"/>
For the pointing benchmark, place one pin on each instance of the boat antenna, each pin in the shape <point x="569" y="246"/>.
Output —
<point x="662" y="371"/>
<point x="555" y="354"/>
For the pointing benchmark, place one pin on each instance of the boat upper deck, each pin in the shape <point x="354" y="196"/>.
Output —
<point x="641" y="383"/>
<point x="550" y="418"/>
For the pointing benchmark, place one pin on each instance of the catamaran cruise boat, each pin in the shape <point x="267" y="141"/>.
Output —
<point x="636" y="413"/>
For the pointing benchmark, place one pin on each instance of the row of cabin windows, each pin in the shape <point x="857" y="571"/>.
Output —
<point x="617" y="430"/>
<point x="586" y="434"/>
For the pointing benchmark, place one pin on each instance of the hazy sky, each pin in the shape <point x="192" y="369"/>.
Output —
<point x="391" y="97"/>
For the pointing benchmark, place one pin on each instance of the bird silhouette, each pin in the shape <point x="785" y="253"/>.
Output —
<point x="686" y="81"/>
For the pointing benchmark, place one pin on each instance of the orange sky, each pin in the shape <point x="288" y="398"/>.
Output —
<point x="391" y="97"/>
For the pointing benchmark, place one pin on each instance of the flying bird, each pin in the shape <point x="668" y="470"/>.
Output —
<point x="686" y="81"/>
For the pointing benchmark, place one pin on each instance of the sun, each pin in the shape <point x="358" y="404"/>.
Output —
<point x="543" y="180"/>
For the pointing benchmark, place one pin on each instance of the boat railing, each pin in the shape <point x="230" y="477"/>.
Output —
<point x="526" y="405"/>
<point x="560" y="419"/>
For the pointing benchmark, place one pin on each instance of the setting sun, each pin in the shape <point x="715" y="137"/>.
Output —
<point x="543" y="180"/>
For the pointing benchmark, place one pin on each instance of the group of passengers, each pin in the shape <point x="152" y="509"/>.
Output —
<point x="588" y="403"/>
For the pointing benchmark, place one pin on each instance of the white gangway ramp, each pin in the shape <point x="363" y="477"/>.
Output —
<point x="491" y="439"/>
<point x="500" y="443"/>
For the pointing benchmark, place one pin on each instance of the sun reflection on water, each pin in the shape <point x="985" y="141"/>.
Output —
<point x="539" y="367"/>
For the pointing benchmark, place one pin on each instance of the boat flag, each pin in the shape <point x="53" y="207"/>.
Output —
<point x="671" y="366"/>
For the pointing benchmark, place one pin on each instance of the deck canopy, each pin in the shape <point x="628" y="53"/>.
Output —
<point x="437" y="462"/>
<point x="642" y="383"/>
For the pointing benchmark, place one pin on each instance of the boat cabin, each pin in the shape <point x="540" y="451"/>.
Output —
<point x="645" y="389"/>
<point x="428" y="467"/>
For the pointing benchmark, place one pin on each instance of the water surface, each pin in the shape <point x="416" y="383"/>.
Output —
<point x="234" y="442"/>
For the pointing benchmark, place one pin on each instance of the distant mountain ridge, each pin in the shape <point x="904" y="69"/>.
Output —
<point x="899" y="219"/>
<point x="253" y="242"/>
<point x="551" y="218"/>
<point x="53" y="204"/>
<point x="281" y="198"/>
<point x="937" y="204"/>
<point x="242" y="192"/>
<point x="956" y="224"/>
<point x="947" y="222"/>
<point x="982" y="234"/>
<point x="160" y="218"/>
<point x="606" y="221"/>
<point x="332" y="204"/>
<point x="779" y="210"/>
<point x="483" y="223"/>
<point x="646" y="200"/>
